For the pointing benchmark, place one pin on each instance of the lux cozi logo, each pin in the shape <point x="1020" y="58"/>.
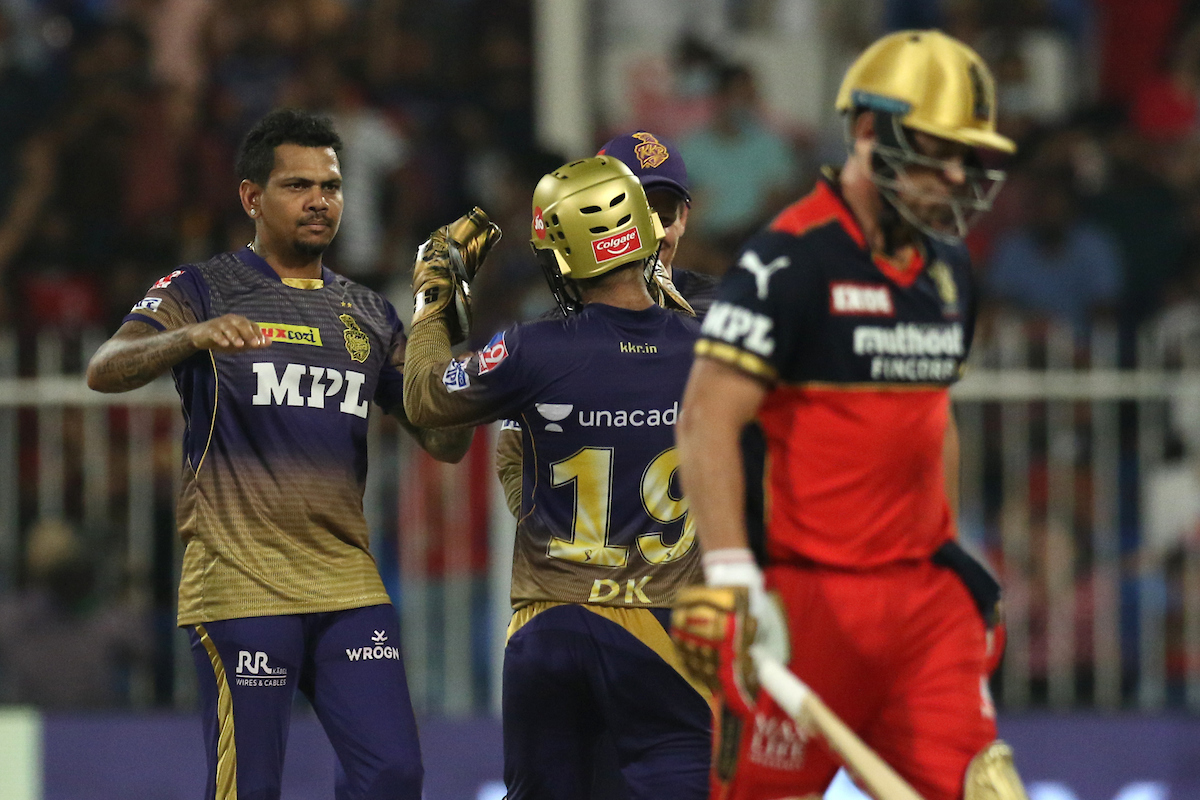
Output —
<point x="302" y="385"/>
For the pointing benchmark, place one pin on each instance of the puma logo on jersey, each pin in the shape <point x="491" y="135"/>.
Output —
<point x="741" y="327"/>
<point x="860" y="299"/>
<point x="762" y="273"/>
<point x="302" y="385"/>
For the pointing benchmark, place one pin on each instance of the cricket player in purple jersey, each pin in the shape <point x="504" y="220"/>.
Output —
<point x="604" y="541"/>
<point x="276" y="359"/>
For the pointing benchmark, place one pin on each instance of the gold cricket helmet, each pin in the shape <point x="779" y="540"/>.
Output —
<point x="930" y="82"/>
<point x="592" y="215"/>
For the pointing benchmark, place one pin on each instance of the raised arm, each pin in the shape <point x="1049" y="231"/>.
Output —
<point x="138" y="352"/>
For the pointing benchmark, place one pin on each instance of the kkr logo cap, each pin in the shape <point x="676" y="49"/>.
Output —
<point x="656" y="162"/>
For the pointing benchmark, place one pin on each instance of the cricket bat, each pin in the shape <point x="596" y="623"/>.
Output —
<point x="794" y="696"/>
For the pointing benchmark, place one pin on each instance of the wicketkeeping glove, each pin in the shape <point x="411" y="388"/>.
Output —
<point x="445" y="266"/>
<point x="713" y="629"/>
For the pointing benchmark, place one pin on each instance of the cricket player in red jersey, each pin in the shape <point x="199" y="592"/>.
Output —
<point x="840" y="329"/>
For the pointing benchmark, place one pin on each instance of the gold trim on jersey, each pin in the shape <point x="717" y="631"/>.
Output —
<point x="639" y="622"/>
<point x="304" y="283"/>
<point x="212" y="425"/>
<point x="291" y="334"/>
<point x="525" y="425"/>
<point x="226" y="741"/>
<point x="746" y="362"/>
<point x="866" y="386"/>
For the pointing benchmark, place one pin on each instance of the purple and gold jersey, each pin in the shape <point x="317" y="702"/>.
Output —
<point x="275" y="453"/>
<point x="597" y="396"/>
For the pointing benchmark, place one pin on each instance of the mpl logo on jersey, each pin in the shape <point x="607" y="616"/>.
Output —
<point x="740" y="327"/>
<point x="860" y="300"/>
<point x="290" y="388"/>
<point x="491" y="356"/>
<point x="254" y="669"/>
<point x="378" y="650"/>
<point x="617" y="245"/>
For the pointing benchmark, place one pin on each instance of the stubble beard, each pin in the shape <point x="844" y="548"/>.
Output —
<point x="310" y="249"/>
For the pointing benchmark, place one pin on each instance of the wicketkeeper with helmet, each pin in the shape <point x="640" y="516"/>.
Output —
<point x="604" y="541"/>
<point x="840" y="329"/>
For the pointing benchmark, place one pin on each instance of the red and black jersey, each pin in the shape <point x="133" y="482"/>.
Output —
<point x="860" y="352"/>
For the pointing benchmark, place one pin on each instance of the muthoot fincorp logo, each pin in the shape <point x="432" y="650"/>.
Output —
<point x="637" y="418"/>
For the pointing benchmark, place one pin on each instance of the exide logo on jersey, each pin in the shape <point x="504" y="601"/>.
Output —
<point x="860" y="299"/>
<point x="617" y="245"/>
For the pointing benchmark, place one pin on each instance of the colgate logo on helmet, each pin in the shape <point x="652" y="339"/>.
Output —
<point x="539" y="224"/>
<point x="617" y="245"/>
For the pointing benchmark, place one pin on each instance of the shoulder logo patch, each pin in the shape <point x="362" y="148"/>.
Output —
<point x="291" y="334"/>
<point x="149" y="304"/>
<point x="947" y="289"/>
<point x="752" y="263"/>
<point x="455" y="378"/>
<point x="163" y="283"/>
<point x="357" y="343"/>
<point x="491" y="356"/>
<point x="851" y="299"/>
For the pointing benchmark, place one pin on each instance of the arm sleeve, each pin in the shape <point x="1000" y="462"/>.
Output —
<point x="174" y="301"/>
<point x="441" y="391"/>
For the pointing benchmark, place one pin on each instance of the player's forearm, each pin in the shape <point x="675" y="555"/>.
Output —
<point x="445" y="444"/>
<point x="132" y="360"/>
<point x="426" y="357"/>
<point x="710" y="472"/>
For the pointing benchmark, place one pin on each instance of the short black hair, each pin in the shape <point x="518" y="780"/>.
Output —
<point x="256" y="156"/>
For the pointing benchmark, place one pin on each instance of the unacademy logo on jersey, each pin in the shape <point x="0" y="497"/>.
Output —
<point x="378" y="650"/>
<point x="555" y="413"/>
<point x="637" y="418"/>
<point x="302" y="385"/>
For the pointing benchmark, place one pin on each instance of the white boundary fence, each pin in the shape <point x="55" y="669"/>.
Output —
<point x="1066" y="486"/>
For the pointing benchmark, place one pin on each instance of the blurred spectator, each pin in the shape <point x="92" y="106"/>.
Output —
<point x="1057" y="266"/>
<point x="740" y="170"/>
<point x="374" y="151"/>
<point x="62" y="646"/>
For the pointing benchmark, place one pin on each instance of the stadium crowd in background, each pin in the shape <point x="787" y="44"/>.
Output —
<point x="119" y="120"/>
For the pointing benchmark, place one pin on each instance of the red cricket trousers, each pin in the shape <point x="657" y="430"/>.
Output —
<point x="898" y="652"/>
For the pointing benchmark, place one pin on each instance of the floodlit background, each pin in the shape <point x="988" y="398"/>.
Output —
<point x="1080" y="417"/>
